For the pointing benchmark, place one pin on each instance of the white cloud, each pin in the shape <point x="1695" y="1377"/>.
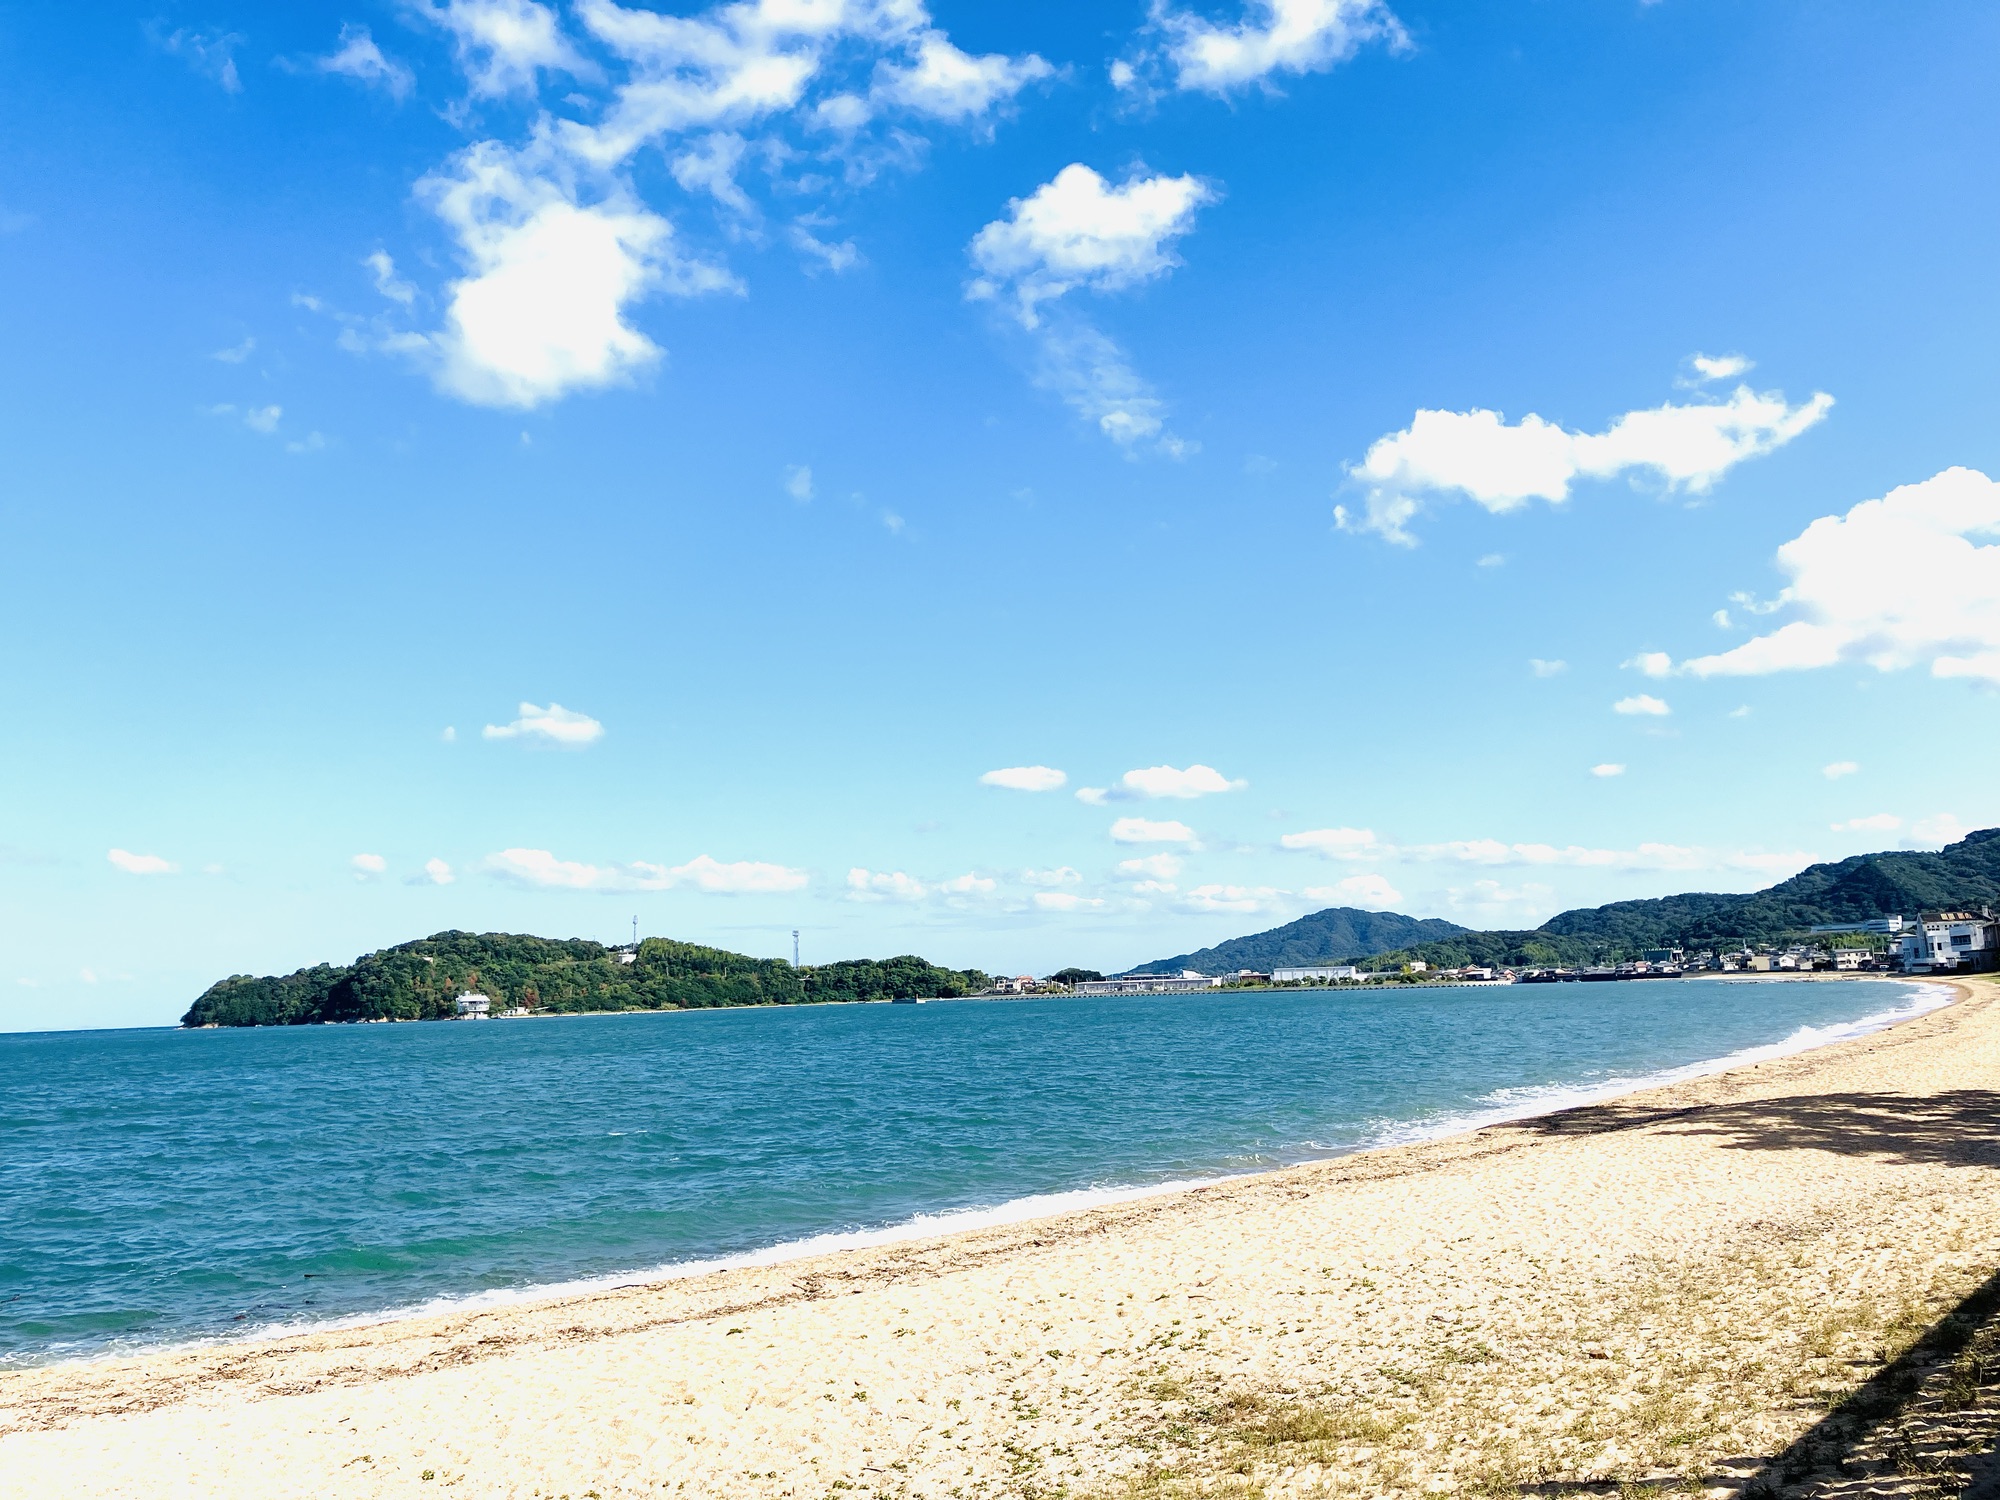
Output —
<point x="1244" y="899"/>
<point x="1066" y="901"/>
<point x="1722" y="620"/>
<point x="870" y="885"/>
<point x="1275" y="36"/>
<point x="236" y="353"/>
<point x="1937" y="831"/>
<point x="1504" y="466"/>
<point x="504" y="46"/>
<point x="743" y="877"/>
<point x="830" y="255"/>
<point x="1077" y="231"/>
<point x="437" y="872"/>
<point x="1169" y="781"/>
<point x="1025" y="778"/>
<point x="538" y="867"/>
<point x="1647" y="857"/>
<point x="1609" y="768"/>
<point x="1356" y="890"/>
<point x="555" y="723"/>
<point x="1894" y="583"/>
<point x="263" y="419"/>
<point x="1839" y="769"/>
<point x="386" y="281"/>
<point x="1336" y="843"/>
<point x="799" y="483"/>
<point x="449" y="734"/>
<point x="358" y="57"/>
<point x="1058" y="875"/>
<point x="1547" y="668"/>
<point x="949" y="84"/>
<point x="211" y="54"/>
<point x="1492" y="560"/>
<point x="543" y="312"/>
<point x="1652" y="664"/>
<point x="1147" y="831"/>
<point x="368" y="865"/>
<point x="1152" y="866"/>
<point x="1094" y="796"/>
<point x="1875" y="823"/>
<point x="969" y="884"/>
<point x="1720" y="367"/>
<point x="1642" y="704"/>
<point x="141" y="864"/>
<point x="1488" y="903"/>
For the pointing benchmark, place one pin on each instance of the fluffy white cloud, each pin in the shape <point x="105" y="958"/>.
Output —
<point x="1839" y="769"/>
<point x="1356" y="890"/>
<point x="1059" y="875"/>
<point x="543" y="312"/>
<point x="1244" y="899"/>
<point x="1095" y="796"/>
<point x="1147" y="831"/>
<point x="1719" y="367"/>
<point x="1170" y="781"/>
<point x="538" y="867"/>
<point x="436" y="872"/>
<point x="948" y="84"/>
<point x="1274" y="36"/>
<point x="504" y="46"/>
<point x="358" y="57"/>
<point x="1078" y="231"/>
<point x="555" y="723"/>
<point x="969" y="884"/>
<point x="1897" y="582"/>
<point x="1503" y="466"/>
<point x="1066" y="901"/>
<point x="1652" y="664"/>
<point x="1547" y="668"/>
<point x="1152" y="866"/>
<point x="141" y="864"/>
<point x="1025" y="778"/>
<point x="1875" y="823"/>
<point x="1609" y="768"/>
<point x="368" y="865"/>
<point x="799" y="483"/>
<point x="884" y="885"/>
<point x="1643" y="704"/>
<point x="263" y="419"/>
<point x="1336" y="843"/>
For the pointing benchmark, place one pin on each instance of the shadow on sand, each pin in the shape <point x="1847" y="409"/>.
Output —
<point x="1926" y="1425"/>
<point x="1958" y="1128"/>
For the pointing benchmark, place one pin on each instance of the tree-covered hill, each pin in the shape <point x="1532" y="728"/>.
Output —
<point x="1859" y="889"/>
<point x="1340" y="934"/>
<point x="421" y="980"/>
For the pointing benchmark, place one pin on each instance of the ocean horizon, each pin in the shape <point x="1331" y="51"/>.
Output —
<point x="171" y="1187"/>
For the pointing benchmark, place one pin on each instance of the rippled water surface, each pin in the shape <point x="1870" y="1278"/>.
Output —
<point x="162" y="1186"/>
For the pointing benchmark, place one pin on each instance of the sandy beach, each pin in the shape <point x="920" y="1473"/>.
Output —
<point x="1676" y="1287"/>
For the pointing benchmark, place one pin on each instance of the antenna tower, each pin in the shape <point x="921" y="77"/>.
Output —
<point x="795" y="947"/>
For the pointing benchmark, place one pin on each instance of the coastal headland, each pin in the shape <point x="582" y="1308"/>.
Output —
<point x="1738" y="1283"/>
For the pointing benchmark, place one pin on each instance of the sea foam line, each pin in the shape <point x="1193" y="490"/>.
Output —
<point x="1505" y="1105"/>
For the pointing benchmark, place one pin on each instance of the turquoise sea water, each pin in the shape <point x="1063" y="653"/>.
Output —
<point x="158" y="1187"/>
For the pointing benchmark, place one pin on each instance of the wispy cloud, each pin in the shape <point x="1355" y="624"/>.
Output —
<point x="358" y="57"/>
<point x="541" y="868"/>
<point x="1148" y="831"/>
<point x="1025" y="778"/>
<point x="141" y="864"/>
<point x="554" y="724"/>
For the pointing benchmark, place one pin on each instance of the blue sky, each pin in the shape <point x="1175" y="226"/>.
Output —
<point x="508" y="466"/>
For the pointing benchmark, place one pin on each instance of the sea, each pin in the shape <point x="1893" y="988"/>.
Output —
<point x="163" y="1188"/>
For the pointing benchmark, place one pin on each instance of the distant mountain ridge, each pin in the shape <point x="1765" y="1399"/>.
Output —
<point x="1337" y="935"/>
<point x="1860" y="888"/>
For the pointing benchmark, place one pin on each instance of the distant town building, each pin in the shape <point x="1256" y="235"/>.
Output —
<point x="1661" y="955"/>
<point x="1943" y="941"/>
<point x="1320" y="971"/>
<point x="473" y="1007"/>
<point x="1148" y="984"/>
<point x="1880" y="926"/>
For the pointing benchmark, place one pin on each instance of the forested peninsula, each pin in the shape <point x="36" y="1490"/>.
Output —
<point x="422" y="980"/>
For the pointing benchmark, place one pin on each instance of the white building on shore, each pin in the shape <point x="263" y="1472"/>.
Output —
<point x="1315" y="972"/>
<point x="1942" y="941"/>
<point x="1148" y="984"/>
<point x="472" y="1007"/>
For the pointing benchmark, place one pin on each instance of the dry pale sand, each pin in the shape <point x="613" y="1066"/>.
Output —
<point x="1674" y="1286"/>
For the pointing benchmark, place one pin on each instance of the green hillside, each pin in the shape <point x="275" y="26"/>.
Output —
<point x="420" y="981"/>
<point x="1339" y="934"/>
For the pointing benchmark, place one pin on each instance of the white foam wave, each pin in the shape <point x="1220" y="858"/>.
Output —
<point x="1502" y="1105"/>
